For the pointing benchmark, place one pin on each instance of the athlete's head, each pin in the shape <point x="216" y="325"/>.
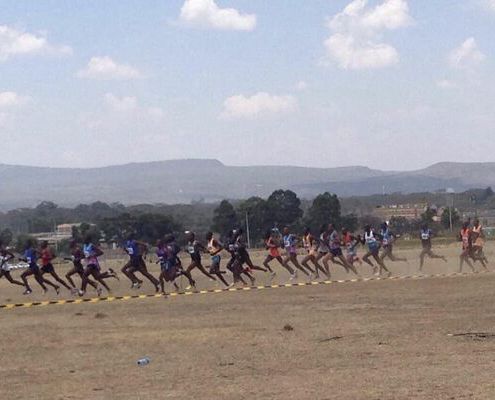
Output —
<point x="307" y="231"/>
<point x="424" y="227"/>
<point x="72" y="244"/>
<point x="384" y="226"/>
<point x="44" y="244"/>
<point x="190" y="236"/>
<point x="344" y="231"/>
<point x="169" y="238"/>
<point x="367" y="228"/>
<point x="209" y="236"/>
<point x="131" y="236"/>
<point x="323" y="228"/>
<point x="465" y="225"/>
<point x="88" y="239"/>
<point x="476" y="222"/>
<point x="30" y="243"/>
<point x="286" y="230"/>
<point x="331" y="227"/>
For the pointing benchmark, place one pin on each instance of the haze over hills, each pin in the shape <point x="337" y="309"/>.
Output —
<point x="183" y="181"/>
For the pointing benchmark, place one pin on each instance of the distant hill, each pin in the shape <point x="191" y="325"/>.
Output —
<point x="183" y="181"/>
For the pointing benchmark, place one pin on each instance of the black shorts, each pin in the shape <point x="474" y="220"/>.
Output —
<point x="47" y="269"/>
<point x="91" y="268"/>
<point x="135" y="262"/>
<point x="78" y="267"/>
<point x="196" y="259"/>
<point x="336" y="252"/>
<point x="34" y="268"/>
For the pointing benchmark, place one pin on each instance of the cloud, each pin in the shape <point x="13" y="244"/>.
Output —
<point x="260" y="104"/>
<point x="17" y="43"/>
<point x="490" y="4"/>
<point x="446" y="84"/>
<point x="10" y="105"/>
<point x="356" y="41"/>
<point x="129" y="105"/>
<point x="301" y="86"/>
<point x="12" y="99"/>
<point x="467" y="56"/>
<point x="104" y="68"/>
<point x="207" y="14"/>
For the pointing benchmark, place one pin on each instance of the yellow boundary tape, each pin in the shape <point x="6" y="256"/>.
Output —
<point x="240" y="289"/>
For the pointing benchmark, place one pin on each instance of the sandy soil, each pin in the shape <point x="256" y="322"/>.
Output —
<point x="366" y="340"/>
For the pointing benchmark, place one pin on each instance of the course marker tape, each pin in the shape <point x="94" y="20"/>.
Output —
<point x="239" y="289"/>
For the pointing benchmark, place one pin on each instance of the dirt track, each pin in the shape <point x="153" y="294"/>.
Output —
<point x="373" y="340"/>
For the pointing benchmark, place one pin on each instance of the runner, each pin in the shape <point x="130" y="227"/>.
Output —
<point x="46" y="264"/>
<point x="168" y="257"/>
<point x="243" y="254"/>
<point x="136" y="263"/>
<point x="371" y="240"/>
<point x="31" y="257"/>
<point x="388" y="239"/>
<point x="351" y="242"/>
<point x="324" y="249"/>
<point x="214" y="248"/>
<point x="5" y="257"/>
<point x="194" y="248"/>
<point x="233" y="265"/>
<point x="465" y="238"/>
<point x="335" y="255"/>
<point x="91" y="254"/>
<point x="77" y="256"/>
<point x="478" y="242"/>
<point x="425" y="235"/>
<point x="273" y="245"/>
<point x="311" y="246"/>
<point x="290" y="244"/>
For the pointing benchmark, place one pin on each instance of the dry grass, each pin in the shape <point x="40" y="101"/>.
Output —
<point x="374" y="340"/>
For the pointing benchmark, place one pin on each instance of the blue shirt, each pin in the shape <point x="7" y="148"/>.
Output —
<point x="31" y="256"/>
<point x="132" y="248"/>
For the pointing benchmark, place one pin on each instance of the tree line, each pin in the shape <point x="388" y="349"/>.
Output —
<point x="111" y="222"/>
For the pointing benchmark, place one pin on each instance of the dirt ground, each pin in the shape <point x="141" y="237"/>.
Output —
<point x="367" y="340"/>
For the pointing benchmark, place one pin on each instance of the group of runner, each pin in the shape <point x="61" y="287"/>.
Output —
<point x="330" y="246"/>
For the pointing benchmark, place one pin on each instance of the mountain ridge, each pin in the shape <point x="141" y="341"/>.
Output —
<point x="186" y="180"/>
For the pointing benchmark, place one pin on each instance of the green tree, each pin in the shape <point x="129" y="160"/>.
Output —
<point x="284" y="208"/>
<point x="427" y="216"/>
<point x="350" y="222"/>
<point x="259" y="217"/>
<point x="22" y="241"/>
<point x="445" y="218"/>
<point x="325" y="209"/>
<point x="224" y="218"/>
<point x="6" y="237"/>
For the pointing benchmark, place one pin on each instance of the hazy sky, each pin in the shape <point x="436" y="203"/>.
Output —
<point x="390" y="84"/>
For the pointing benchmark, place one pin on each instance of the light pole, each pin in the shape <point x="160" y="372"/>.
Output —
<point x="450" y="203"/>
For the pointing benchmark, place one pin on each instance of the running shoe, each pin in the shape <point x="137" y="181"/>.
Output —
<point x="27" y="291"/>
